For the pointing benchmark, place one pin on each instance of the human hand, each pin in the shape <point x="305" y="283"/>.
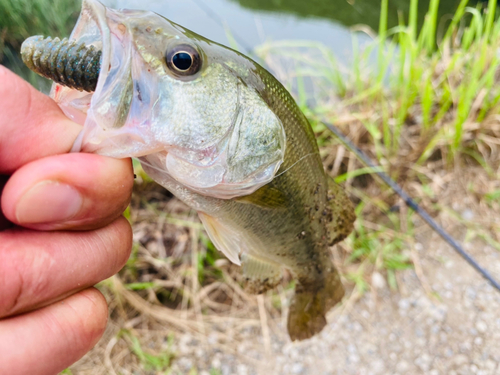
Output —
<point x="60" y="233"/>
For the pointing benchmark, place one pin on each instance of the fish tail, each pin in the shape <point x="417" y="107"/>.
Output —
<point x="311" y="302"/>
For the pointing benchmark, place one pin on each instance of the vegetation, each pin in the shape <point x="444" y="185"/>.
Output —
<point x="420" y="102"/>
<point x="20" y="19"/>
<point x="423" y="100"/>
<point x="350" y="13"/>
<point x="439" y="86"/>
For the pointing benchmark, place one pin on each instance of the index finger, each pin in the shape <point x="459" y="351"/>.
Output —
<point x="31" y="126"/>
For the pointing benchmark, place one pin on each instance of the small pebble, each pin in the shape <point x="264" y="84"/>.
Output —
<point x="378" y="281"/>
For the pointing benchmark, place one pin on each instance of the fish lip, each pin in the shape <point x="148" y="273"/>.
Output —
<point x="106" y="29"/>
<point x="95" y="12"/>
<point x="96" y="26"/>
<point x="91" y="28"/>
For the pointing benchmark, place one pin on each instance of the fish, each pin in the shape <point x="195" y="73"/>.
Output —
<point x="219" y="132"/>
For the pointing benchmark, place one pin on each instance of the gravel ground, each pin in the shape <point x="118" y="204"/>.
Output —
<point x="456" y="331"/>
<point x="411" y="332"/>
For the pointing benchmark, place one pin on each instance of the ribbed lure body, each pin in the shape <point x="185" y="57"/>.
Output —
<point x="66" y="62"/>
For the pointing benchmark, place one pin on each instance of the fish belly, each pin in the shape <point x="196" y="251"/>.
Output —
<point x="282" y="225"/>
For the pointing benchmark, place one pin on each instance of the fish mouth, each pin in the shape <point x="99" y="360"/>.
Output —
<point x="110" y="115"/>
<point x="91" y="29"/>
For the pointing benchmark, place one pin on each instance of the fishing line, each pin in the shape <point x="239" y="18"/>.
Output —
<point x="218" y="19"/>
<point x="388" y="180"/>
<point x="297" y="162"/>
<point x="412" y="204"/>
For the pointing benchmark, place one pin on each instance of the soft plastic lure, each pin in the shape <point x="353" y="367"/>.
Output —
<point x="66" y="62"/>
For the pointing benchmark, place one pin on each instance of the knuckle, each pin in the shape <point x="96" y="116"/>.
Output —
<point x="24" y="278"/>
<point x="88" y="324"/>
<point x="117" y="238"/>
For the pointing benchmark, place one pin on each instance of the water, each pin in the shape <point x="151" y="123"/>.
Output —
<point x="214" y="19"/>
<point x="253" y="22"/>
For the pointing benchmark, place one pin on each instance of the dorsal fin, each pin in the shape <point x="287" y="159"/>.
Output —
<point x="342" y="215"/>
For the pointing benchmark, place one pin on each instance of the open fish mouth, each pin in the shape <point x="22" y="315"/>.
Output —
<point x="211" y="132"/>
<point x="92" y="31"/>
<point x="104" y="113"/>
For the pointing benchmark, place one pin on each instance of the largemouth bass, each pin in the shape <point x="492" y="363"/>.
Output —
<point x="218" y="131"/>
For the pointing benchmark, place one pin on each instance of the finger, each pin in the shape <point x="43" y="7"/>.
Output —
<point x="63" y="332"/>
<point x="71" y="191"/>
<point x="32" y="124"/>
<point x="41" y="267"/>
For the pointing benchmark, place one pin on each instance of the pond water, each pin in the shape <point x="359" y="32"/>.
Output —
<point x="250" y="27"/>
<point x="253" y="22"/>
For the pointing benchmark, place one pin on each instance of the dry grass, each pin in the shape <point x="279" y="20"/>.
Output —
<point x="173" y="311"/>
<point x="179" y="304"/>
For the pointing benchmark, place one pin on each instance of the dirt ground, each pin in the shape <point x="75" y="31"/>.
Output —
<point x="443" y="319"/>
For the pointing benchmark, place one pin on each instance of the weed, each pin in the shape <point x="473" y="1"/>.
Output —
<point x="158" y="362"/>
<point x="20" y="19"/>
<point x="445" y="85"/>
<point x="411" y="98"/>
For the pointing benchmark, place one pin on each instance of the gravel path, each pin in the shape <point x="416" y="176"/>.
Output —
<point x="455" y="329"/>
<point x="412" y="333"/>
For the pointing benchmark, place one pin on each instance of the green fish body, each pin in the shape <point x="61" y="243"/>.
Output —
<point x="225" y="137"/>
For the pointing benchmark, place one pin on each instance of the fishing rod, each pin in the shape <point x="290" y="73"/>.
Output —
<point x="412" y="204"/>
<point x="365" y="159"/>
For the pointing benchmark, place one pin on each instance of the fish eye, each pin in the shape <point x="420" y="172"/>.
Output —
<point x="183" y="60"/>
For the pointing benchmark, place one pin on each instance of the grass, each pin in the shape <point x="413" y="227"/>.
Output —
<point x="443" y="84"/>
<point x="422" y="102"/>
<point x="159" y="362"/>
<point x="20" y="19"/>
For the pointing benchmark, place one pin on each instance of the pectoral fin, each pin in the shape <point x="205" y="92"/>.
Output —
<point x="260" y="275"/>
<point x="224" y="238"/>
<point x="266" y="197"/>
